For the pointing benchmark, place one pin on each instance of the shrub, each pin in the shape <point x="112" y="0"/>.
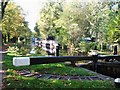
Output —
<point x="85" y="47"/>
<point x="13" y="49"/>
<point x="24" y="50"/>
<point x="40" y="51"/>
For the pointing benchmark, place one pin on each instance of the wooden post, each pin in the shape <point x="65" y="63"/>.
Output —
<point x="57" y="50"/>
<point x="115" y="50"/>
<point x="95" y="59"/>
<point x="1" y="41"/>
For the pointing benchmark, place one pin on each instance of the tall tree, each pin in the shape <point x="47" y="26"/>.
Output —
<point x="3" y="6"/>
<point x="37" y="30"/>
<point x="114" y="25"/>
<point x="13" y="22"/>
<point x="76" y="21"/>
<point x="49" y="15"/>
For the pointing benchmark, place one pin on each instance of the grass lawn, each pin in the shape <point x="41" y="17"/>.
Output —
<point x="15" y="81"/>
<point x="25" y="82"/>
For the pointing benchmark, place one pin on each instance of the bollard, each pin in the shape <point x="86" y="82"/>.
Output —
<point x="117" y="82"/>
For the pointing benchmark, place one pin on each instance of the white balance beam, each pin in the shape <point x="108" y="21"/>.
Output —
<point x="21" y="61"/>
<point x="24" y="61"/>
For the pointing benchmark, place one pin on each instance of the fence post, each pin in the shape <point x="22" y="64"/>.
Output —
<point x="57" y="50"/>
<point x="95" y="59"/>
<point x="73" y="63"/>
<point x="115" y="50"/>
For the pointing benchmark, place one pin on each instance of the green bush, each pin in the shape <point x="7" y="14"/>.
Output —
<point x="40" y="51"/>
<point x="93" y="45"/>
<point x="13" y="49"/>
<point x="87" y="46"/>
<point x="24" y="50"/>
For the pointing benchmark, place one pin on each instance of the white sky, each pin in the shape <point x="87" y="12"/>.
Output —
<point x="31" y="10"/>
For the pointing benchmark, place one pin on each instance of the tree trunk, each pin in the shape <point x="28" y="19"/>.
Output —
<point x="3" y="6"/>
<point x="1" y="41"/>
<point x="8" y="37"/>
<point x="101" y="47"/>
<point x="4" y="38"/>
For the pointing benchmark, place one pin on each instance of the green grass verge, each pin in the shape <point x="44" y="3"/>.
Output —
<point x="25" y="82"/>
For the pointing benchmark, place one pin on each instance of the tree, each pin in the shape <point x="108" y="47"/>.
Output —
<point x="48" y="18"/>
<point x="14" y="23"/>
<point x="37" y="30"/>
<point x="99" y="22"/>
<point x="114" y="29"/>
<point x="3" y="6"/>
<point x="75" y="20"/>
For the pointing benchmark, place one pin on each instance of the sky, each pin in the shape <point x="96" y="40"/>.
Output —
<point x="32" y="9"/>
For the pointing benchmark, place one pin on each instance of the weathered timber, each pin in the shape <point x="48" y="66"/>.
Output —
<point x="54" y="59"/>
